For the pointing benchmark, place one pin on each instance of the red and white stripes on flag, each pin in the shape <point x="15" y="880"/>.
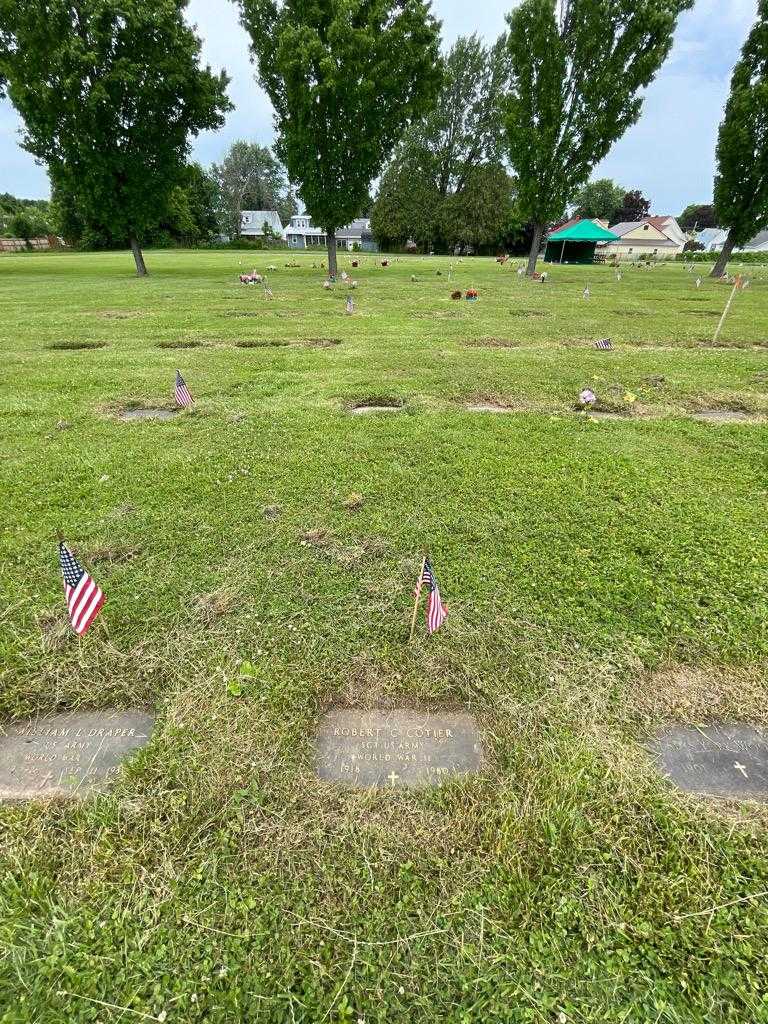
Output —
<point x="436" y="610"/>
<point x="84" y="598"/>
<point x="183" y="396"/>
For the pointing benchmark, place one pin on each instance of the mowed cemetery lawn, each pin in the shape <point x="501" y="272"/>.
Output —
<point x="258" y="554"/>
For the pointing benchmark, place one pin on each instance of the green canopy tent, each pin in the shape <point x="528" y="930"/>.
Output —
<point x="576" y="243"/>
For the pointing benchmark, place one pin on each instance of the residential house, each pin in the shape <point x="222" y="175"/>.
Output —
<point x="713" y="240"/>
<point x="301" y="233"/>
<point x="357" y="234"/>
<point x="653" y="237"/>
<point x="252" y="223"/>
<point x="757" y="244"/>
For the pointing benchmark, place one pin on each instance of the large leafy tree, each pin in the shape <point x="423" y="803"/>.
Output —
<point x="598" y="199"/>
<point x="110" y="91"/>
<point x="346" y="78"/>
<point x="447" y="160"/>
<point x="634" y="206"/>
<point x="577" y="67"/>
<point x="250" y="177"/>
<point x="698" y="216"/>
<point x="741" y="183"/>
<point x="406" y="207"/>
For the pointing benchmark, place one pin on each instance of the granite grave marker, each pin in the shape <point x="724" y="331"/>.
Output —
<point x="67" y="755"/>
<point x="716" y="760"/>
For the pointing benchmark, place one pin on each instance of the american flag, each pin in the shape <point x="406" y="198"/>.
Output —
<point x="84" y="598"/>
<point x="436" y="610"/>
<point x="605" y="344"/>
<point x="183" y="396"/>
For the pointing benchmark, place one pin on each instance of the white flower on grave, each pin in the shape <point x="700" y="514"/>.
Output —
<point x="587" y="397"/>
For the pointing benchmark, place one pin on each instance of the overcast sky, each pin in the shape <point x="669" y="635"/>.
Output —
<point x="669" y="154"/>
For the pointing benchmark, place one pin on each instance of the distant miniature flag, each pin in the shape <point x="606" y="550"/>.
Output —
<point x="183" y="396"/>
<point x="350" y="304"/>
<point x="436" y="610"/>
<point x="605" y="344"/>
<point x="84" y="598"/>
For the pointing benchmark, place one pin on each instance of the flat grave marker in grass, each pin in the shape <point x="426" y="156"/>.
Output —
<point x="718" y="760"/>
<point x="366" y="406"/>
<point x="148" y="414"/>
<point x="390" y="749"/>
<point x="724" y="416"/>
<point x="69" y="755"/>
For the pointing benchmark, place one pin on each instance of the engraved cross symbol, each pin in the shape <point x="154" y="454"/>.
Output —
<point x="740" y="768"/>
<point x="393" y="777"/>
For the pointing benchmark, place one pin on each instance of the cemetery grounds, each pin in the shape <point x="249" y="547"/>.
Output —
<point x="604" y="577"/>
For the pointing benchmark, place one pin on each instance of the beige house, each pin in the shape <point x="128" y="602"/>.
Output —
<point x="659" y="238"/>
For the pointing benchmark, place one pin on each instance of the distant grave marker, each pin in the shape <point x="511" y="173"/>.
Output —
<point x="717" y="760"/>
<point x="723" y="416"/>
<point x="391" y="749"/>
<point x="148" y="414"/>
<point x="68" y="755"/>
<point x="376" y="405"/>
<point x="492" y="407"/>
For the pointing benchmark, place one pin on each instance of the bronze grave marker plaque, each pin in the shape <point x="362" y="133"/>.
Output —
<point x="396" y="748"/>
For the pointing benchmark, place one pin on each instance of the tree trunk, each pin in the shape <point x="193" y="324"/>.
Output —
<point x="141" y="269"/>
<point x="538" y="234"/>
<point x="332" y="264"/>
<point x="722" y="260"/>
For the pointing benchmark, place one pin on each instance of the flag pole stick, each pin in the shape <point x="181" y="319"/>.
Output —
<point x="725" y="313"/>
<point x="417" y="598"/>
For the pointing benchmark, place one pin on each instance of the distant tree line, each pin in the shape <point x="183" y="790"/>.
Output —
<point x="25" y="218"/>
<point x="481" y="149"/>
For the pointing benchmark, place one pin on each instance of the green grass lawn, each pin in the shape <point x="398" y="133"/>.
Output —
<point x="603" y="577"/>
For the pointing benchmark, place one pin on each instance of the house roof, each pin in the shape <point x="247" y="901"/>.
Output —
<point x="582" y="231"/>
<point x="356" y="229"/>
<point x="257" y="218"/>
<point x="666" y="226"/>
<point x="709" y="235"/>
<point x="760" y="239"/>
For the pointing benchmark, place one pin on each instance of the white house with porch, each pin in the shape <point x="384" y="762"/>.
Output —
<point x="301" y="233"/>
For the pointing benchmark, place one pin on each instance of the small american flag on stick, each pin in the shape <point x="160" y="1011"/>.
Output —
<point x="183" y="396"/>
<point x="84" y="598"/>
<point x="605" y="344"/>
<point x="436" y="610"/>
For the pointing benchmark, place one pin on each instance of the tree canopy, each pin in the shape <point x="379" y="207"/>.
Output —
<point x="633" y="206"/>
<point x="599" y="199"/>
<point x="699" y="216"/>
<point x="450" y="162"/>
<point x="110" y="92"/>
<point x="346" y="78"/>
<point x="577" y="67"/>
<point x="741" y="182"/>
<point x="250" y="177"/>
